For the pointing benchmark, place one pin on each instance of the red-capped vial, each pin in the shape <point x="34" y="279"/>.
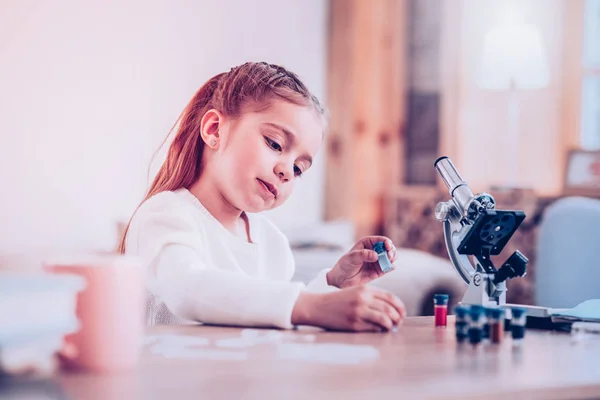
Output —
<point x="440" y="309"/>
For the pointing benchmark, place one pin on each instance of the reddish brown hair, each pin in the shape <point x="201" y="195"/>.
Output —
<point x="248" y="86"/>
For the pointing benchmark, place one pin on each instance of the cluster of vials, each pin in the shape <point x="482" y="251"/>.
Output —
<point x="477" y="324"/>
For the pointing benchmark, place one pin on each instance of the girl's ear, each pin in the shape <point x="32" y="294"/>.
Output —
<point x="209" y="128"/>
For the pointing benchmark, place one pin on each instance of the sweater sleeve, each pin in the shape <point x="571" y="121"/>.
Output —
<point x="193" y="289"/>
<point x="319" y="283"/>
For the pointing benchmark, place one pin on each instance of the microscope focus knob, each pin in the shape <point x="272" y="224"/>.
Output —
<point x="516" y="265"/>
<point x="442" y="211"/>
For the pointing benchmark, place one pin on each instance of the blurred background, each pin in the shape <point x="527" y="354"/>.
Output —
<point x="509" y="90"/>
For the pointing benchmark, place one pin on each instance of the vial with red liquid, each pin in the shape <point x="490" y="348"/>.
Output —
<point x="497" y="325"/>
<point x="440" y="309"/>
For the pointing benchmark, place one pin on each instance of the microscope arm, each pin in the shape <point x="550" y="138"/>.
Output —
<point x="460" y="261"/>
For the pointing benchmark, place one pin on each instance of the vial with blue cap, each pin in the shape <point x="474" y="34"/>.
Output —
<point x="476" y="321"/>
<point x="384" y="261"/>
<point x="461" y="322"/>
<point x="485" y="333"/>
<point x="518" y="321"/>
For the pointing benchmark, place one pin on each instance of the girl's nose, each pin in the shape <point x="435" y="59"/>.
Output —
<point x="282" y="172"/>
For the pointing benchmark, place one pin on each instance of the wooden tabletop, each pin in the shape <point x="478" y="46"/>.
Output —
<point x="416" y="361"/>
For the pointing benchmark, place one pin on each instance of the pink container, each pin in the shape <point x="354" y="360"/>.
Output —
<point x="110" y="311"/>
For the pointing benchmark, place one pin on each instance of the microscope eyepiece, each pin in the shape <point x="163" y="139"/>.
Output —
<point x="449" y="174"/>
<point x="457" y="186"/>
<point x="438" y="160"/>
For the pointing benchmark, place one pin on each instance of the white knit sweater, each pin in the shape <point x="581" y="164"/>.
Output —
<point x="198" y="271"/>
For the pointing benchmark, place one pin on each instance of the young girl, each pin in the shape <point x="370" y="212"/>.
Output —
<point x="242" y="141"/>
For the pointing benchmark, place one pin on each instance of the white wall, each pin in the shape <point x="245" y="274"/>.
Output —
<point x="89" y="89"/>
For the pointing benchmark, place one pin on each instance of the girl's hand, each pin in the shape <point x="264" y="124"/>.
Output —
<point x="360" y="266"/>
<point x="360" y="308"/>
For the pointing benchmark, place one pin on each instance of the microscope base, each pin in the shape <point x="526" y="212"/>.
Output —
<point x="477" y="294"/>
<point x="531" y="311"/>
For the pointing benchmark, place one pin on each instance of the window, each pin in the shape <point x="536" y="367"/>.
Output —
<point x="590" y="84"/>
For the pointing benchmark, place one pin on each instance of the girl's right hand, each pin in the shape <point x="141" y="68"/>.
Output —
<point x="358" y="308"/>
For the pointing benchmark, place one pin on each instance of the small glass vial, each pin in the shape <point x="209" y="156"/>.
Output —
<point x="382" y="257"/>
<point x="462" y="324"/>
<point x="496" y="325"/>
<point x="518" y="321"/>
<point x="440" y="309"/>
<point x="485" y="334"/>
<point x="476" y="321"/>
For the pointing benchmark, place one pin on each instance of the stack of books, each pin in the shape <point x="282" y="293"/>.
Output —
<point x="37" y="310"/>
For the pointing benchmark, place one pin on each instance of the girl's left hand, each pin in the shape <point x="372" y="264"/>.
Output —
<point x="360" y="265"/>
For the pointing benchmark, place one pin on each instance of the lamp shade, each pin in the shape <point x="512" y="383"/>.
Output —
<point x="513" y="54"/>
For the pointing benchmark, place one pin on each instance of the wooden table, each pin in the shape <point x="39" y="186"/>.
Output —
<point x="418" y="361"/>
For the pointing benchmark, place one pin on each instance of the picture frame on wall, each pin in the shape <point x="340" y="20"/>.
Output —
<point x="582" y="173"/>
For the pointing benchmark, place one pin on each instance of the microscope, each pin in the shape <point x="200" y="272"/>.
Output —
<point x="474" y="230"/>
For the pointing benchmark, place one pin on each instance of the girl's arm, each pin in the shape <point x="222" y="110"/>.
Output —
<point x="193" y="290"/>
<point x="165" y="235"/>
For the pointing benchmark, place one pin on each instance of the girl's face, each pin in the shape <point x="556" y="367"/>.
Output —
<point x="264" y="153"/>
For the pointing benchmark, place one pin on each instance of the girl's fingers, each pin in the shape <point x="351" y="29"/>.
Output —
<point x="385" y="308"/>
<point x="377" y="318"/>
<point x="357" y="257"/>
<point x="392" y="255"/>
<point x="369" y="241"/>
<point x="366" y="326"/>
<point x="391" y="250"/>
<point x="392" y="300"/>
<point x="388" y="244"/>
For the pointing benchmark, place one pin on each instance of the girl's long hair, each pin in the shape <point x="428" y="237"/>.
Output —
<point x="248" y="85"/>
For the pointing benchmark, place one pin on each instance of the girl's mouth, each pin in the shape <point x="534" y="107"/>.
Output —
<point x="270" y="188"/>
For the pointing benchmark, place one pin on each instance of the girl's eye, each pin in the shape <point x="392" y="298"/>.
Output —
<point x="273" y="144"/>
<point x="297" y="171"/>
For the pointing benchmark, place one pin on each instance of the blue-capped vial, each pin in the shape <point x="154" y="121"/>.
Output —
<point x="440" y="299"/>
<point x="485" y="334"/>
<point x="476" y="321"/>
<point x="383" y="259"/>
<point x="440" y="309"/>
<point x="461" y="322"/>
<point x="518" y="322"/>
<point x="477" y="309"/>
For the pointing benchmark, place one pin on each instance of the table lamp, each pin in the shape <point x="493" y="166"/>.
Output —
<point x="513" y="59"/>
